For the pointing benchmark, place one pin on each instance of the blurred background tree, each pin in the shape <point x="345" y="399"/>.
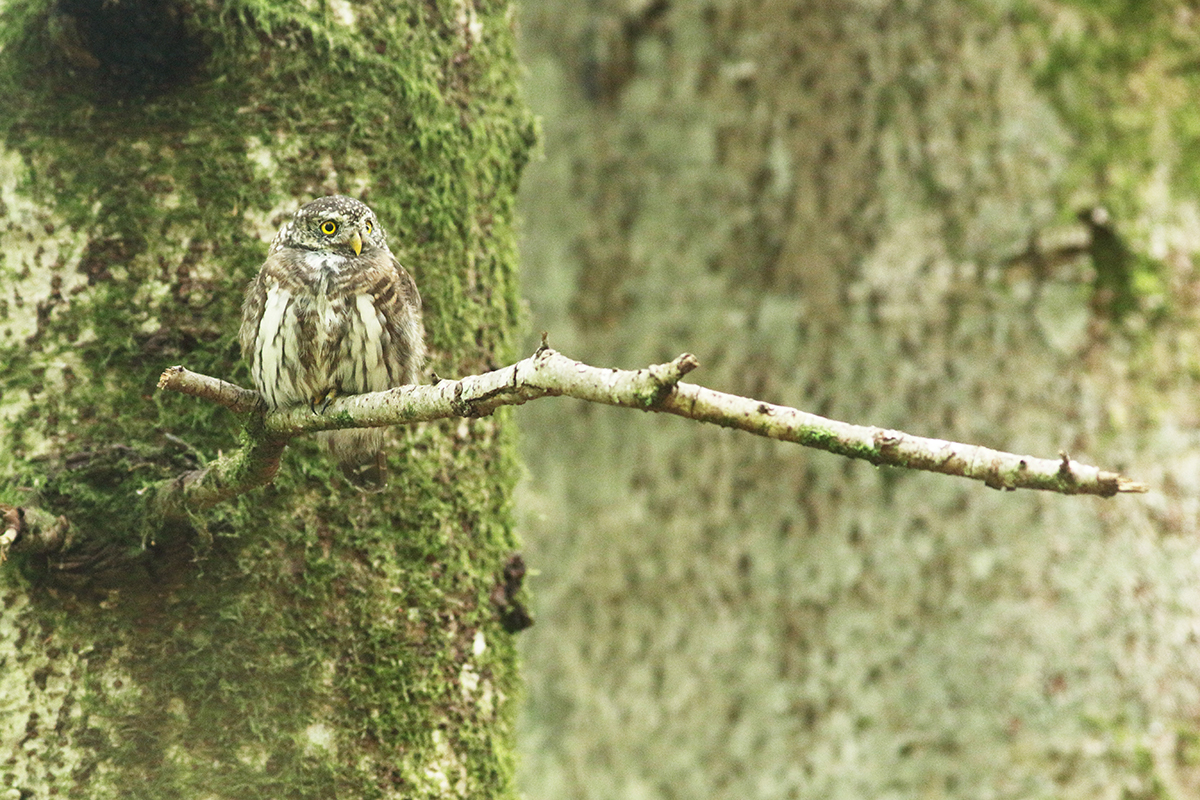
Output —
<point x="975" y="221"/>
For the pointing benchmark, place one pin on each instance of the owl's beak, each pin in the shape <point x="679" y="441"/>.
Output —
<point x="355" y="242"/>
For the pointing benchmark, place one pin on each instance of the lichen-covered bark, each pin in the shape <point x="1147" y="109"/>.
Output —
<point x="305" y="640"/>
<point x="832" y="205"/>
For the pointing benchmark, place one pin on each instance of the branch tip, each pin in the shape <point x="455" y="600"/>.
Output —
<point x="168" y="375"/>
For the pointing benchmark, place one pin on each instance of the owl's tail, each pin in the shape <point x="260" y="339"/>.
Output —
<point x="359" y="452"/>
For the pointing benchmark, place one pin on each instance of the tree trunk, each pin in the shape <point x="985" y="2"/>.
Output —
<point x="304" y="640"/>
<point x="866" y="210"/>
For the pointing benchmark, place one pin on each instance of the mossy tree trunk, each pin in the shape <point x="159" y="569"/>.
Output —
<point x="304" y="640"/>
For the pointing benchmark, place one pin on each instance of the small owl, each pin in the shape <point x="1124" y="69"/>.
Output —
<point x="333" y="313"/>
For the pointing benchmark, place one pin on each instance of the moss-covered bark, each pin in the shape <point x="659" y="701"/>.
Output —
<point x="304" y="641"/>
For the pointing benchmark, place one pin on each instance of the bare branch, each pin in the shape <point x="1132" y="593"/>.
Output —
<point x="223" y="393"/>
<point x="997" y="469"/>
<point x="545" y="374"/>
<point x="654" y="388"/>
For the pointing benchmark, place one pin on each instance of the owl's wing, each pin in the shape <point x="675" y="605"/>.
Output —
<point x="255" y="305"/>
<point x="407" y="288"/>
<point x="400" y="305"/>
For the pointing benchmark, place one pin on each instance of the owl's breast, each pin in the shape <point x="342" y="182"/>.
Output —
<point x="323" y="270"/>
<point x="310" y="343"/>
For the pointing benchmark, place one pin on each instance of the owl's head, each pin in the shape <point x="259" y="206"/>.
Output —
<point x="336" y="223"/>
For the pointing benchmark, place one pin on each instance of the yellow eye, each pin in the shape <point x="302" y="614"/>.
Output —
<point x="369" y="226"/>
<point x="329" y="227"/>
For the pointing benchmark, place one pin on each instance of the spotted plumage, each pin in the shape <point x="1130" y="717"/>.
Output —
<point x="333" y="313"/>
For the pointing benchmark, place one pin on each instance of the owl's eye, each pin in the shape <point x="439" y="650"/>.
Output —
<point x="329" y="227"/>
<point x="370" y="227"/>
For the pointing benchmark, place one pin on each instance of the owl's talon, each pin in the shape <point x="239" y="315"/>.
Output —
<point x="321" y="402"/>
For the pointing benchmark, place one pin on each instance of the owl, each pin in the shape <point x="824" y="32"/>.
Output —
<point x="333" y="313"/>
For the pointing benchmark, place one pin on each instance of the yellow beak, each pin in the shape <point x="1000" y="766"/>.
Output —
<point x="356" y="242"/>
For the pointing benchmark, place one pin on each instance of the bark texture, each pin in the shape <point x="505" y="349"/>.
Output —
<point x="305" y="640"/>
<point x="866" y="210"/>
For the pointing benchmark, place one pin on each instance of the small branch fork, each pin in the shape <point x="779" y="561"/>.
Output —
<point x="547" y="374"/>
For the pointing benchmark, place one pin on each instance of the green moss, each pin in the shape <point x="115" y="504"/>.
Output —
<point x="308" y="641"/>
<point x="1135" y="56"/>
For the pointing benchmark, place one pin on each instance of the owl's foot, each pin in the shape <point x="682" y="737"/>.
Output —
<point x="322" y="401"/>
